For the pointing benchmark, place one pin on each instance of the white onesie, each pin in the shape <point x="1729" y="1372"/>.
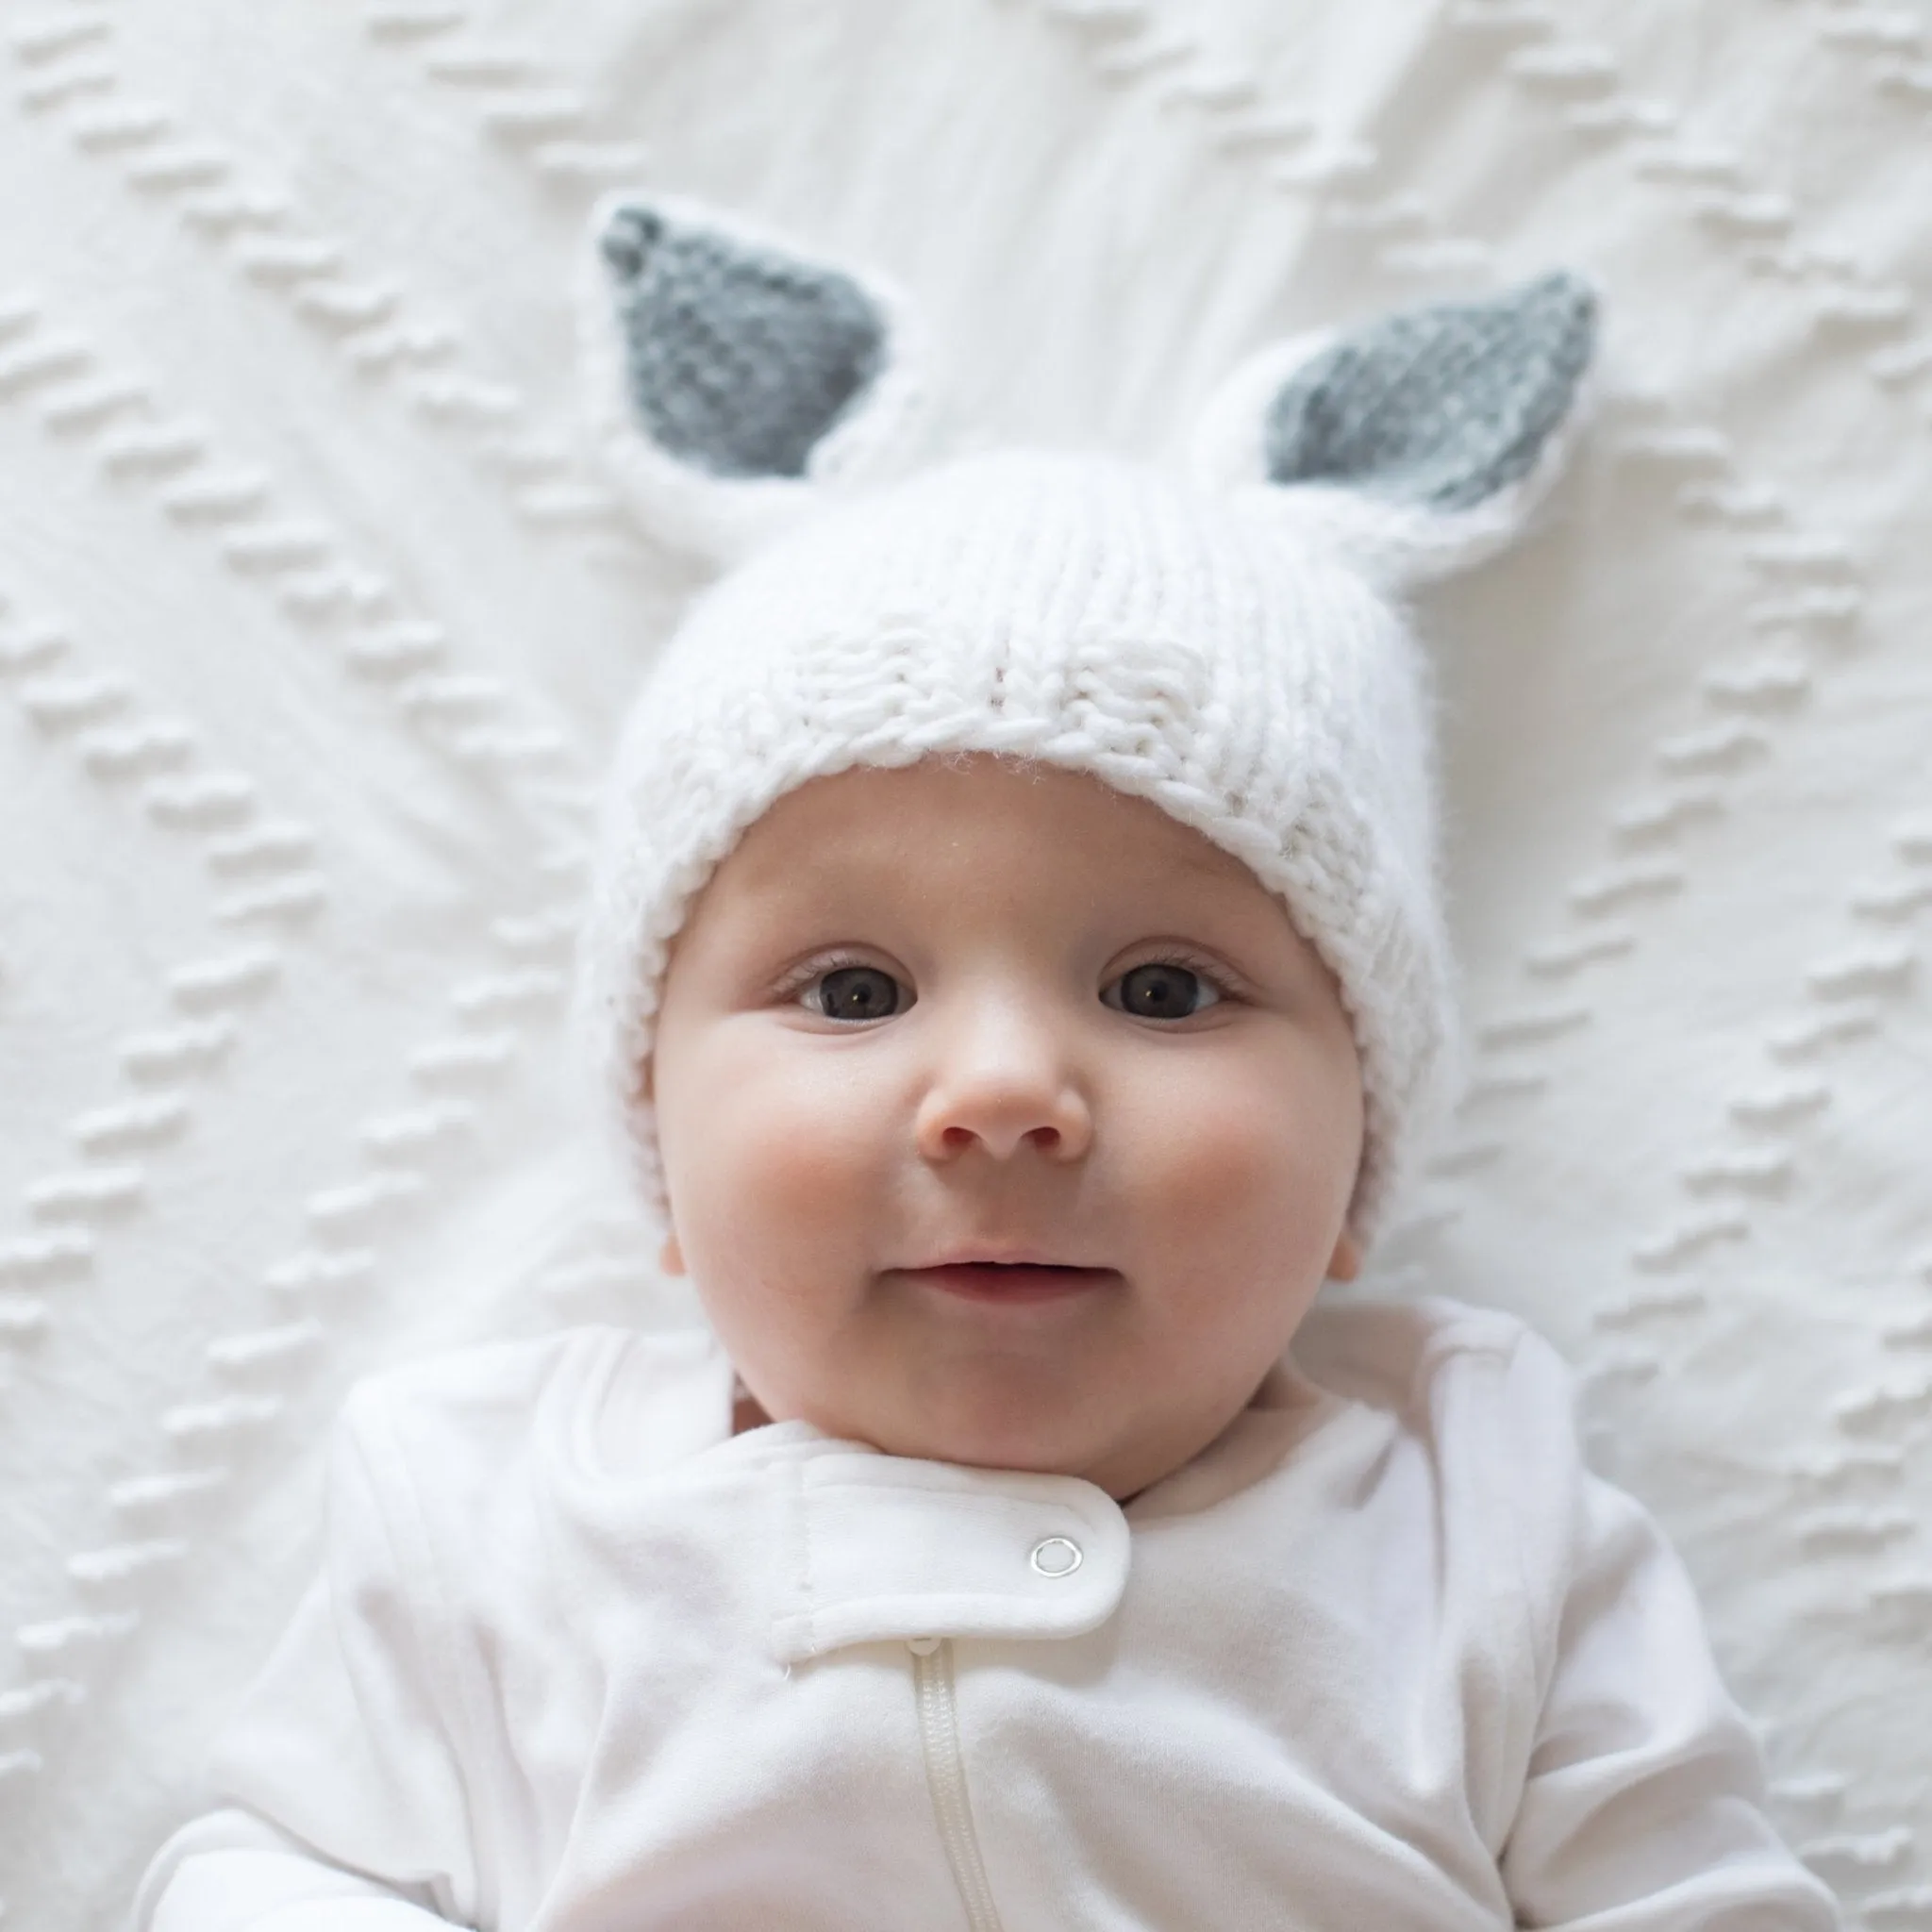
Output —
<point x="1384" y="1656"/>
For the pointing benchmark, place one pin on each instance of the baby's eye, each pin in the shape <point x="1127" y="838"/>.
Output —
<point x="857" y="993"/>
<point x="1162" y="992"/>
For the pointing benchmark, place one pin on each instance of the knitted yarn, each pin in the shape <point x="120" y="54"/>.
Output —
<point x="1230" y="648"/>
<point x="1090" y="614"/>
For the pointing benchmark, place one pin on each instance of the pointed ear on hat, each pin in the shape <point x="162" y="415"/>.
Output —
<point x="1420" y="443"/>
<point x="733" y="382"/>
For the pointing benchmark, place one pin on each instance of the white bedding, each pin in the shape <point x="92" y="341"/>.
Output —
<point x="317" y="615"/>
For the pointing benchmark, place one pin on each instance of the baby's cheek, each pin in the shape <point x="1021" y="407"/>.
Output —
<point x="1239" y="1163"/>
<point x="772" y="1159"/>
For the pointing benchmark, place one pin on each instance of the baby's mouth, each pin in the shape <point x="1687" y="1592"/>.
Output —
<point x="1013" y="1282"/>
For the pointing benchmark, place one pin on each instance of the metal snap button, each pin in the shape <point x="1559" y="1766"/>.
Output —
<point x="1057" y="1556"/>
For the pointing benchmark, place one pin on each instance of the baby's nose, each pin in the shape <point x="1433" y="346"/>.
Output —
<point x="1004" y="1083"/>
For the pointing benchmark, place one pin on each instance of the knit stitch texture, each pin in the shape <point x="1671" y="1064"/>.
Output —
<point x="1443" y="406"/>
<point x="741" y="360"/>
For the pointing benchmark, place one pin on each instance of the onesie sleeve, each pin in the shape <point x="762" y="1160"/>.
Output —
<point x="349" y="1805"/>
<point x="1643" y="1806"/>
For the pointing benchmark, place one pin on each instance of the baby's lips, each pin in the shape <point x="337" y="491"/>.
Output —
<point x="990" y="1254"/>
<point x="1013" y="1282"/>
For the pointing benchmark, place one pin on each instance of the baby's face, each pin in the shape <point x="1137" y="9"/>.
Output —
<point x="1005" y="1120"/>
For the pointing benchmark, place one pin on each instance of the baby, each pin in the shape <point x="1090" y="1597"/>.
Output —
<point x="1016" y="965"/>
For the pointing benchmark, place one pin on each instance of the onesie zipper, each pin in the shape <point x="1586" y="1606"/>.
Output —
<point x="945" y="1775"/>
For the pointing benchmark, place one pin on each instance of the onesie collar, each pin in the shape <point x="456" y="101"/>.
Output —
<point x="873" y="1548"/>
<point x="866" y="1547"/>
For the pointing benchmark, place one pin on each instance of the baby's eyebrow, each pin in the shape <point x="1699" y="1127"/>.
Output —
<point x="1210" y="861"/>
<point x="1217" y="864"/>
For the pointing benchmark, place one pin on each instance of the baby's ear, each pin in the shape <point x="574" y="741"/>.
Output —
<point x="1420" y="443"/>
<point x="734" y="383"/>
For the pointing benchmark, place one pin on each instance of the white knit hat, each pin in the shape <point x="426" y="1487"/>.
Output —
<point x="1227" y="646"/>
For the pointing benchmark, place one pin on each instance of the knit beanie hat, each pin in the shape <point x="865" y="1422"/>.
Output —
<point x="1223" y="640"/>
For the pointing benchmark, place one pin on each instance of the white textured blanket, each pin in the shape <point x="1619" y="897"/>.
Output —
<point x="315" y="616"/>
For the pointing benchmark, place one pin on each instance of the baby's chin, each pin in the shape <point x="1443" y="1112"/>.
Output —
<point x="1122" y="1450"/>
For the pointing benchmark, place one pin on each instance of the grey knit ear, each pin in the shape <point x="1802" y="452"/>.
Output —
<point x="736" y="385"/>
<point x="1437" y="408"/>
<point x="738" y="360"/>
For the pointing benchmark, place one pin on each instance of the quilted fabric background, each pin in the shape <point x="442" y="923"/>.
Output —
<point x="316" y="616"/>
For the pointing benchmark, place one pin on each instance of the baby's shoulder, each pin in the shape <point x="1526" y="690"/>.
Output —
<point x="1433" y="1361"/>
<point x="1476" y="1412"/>
<point x="477" y="1409"/>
